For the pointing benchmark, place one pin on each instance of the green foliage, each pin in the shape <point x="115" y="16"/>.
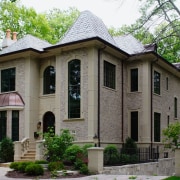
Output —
<point x="172" y="178"/>
<point x="124" y="158"/>
<point x="34" y="169"/>
<point x="55" y="166"/>
<point x="14" y="165"/>
<point x="56" y="145"/>
<point x="78" y="164"/>
<point x="72" y="152"/>
<point x="84" y="169"/>
<point x="111" y="155"/>
<point x="41" y="162"/>
<point x="85" y="147"/>
<point x="172" y="134"/>
<point x="7" y="150"/>
<point x="22" y="166"/>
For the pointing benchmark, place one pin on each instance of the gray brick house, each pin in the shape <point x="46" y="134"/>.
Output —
<point x="90" y="83"/>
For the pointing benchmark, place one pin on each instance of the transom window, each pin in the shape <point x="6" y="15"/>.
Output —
<point x="157" y="80"/>
<point x="8" y="77"/>
<point x="157" y="127"/>
<point x="134" y="80"/>
<point x="109" y="75"/>
<point x="74" y="88"/>
<point x="49" y="80"/>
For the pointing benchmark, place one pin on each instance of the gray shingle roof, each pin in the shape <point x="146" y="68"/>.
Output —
<point x="87" y="26"/>
<point x="26" y="42"/>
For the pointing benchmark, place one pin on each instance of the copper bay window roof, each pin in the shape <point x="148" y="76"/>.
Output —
<point x="11" y="99"/>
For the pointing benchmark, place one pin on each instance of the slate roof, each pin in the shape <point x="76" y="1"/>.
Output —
<point x="87" y="26"/>
<point x="26" y="42"/>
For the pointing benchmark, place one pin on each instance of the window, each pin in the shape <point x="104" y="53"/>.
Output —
<point x="134" y="80"/>
<point x="167" y="83"/>
<point x="3" y="124"/>
<point x="74" y="86"/>
<point x="168" y="120"/>
<point x="15" y="125"/>
<point x="8" y="77"/>
<point x="49" y="80"/>
<point x="157" y="127"/>
<point x="134" y="125"/>
<point x="109" y="75"/>
<point x="175" y="107"/>
<point x="157" y="78"/>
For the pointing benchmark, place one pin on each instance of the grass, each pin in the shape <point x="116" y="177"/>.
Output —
<point x="173" y="178"/>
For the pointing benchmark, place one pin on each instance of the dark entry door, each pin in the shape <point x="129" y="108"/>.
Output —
<point x="48" y="122"/>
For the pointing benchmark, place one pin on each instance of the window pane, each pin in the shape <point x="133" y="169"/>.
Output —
<point x="134" y="80"/>
<point x="109" y="75"/>
<point x="3" y="124"/>
<point x="157" y="77"/>
<point x="74" y="94"/>
<point x="157" y="127"/>
<point x="15" y="125"/>
<point x="175" y="107"/>
<point x="49" y="80"/>
<point x="8" y="77"/>
<point x="134" y="125"/>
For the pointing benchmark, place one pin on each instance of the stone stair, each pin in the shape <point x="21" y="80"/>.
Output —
<point x="30" y="154"/>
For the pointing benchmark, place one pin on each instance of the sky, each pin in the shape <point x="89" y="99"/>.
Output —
<point x="114" y="13"/>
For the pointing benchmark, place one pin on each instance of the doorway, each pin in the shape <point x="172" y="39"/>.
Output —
<point x="48" y="122"/>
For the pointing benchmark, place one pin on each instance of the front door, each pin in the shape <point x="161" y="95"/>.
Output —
<point x="48" y="122"/>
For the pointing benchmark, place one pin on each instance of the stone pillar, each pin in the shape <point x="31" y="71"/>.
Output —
<point x="17" y="150"/>
<point x="95" y="159"/>
<point x="177" y="162"/>
<point x="39" y="150"/>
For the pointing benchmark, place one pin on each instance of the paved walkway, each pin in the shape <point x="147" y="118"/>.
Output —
<point x="3" y="171"/>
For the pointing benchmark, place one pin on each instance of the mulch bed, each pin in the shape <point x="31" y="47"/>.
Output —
<point x="46" y="175"/>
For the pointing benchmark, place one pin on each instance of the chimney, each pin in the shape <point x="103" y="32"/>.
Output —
<point x="14" y="36"/>
<point x="7" y="40"/>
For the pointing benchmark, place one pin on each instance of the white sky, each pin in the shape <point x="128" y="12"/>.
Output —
<point x="112" y="12"/>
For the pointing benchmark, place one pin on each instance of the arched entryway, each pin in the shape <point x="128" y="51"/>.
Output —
<point x="48" y="122"/>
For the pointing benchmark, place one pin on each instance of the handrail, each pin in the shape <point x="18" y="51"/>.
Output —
<point x="24" y="145"/>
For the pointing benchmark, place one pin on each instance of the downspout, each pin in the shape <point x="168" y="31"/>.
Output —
<point x="98" y="110"/>
<point x="122" y="105"/>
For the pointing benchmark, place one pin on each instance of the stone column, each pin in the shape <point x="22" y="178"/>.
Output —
<point x="95" y="159"/>
<point x="177" y="162"/>
<point x="17" y="150"/>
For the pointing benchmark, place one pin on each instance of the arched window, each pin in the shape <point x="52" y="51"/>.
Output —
<point x="74" y="87"/>
<point x="49" y="80"/>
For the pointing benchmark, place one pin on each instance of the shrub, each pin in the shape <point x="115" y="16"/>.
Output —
<point x="22" y="166"/>
<point x="14" y="165"/>
<point x="55" y="166"/>
<point x="125" y="158"/>
<point x="71" y="154"/>
<point x="7" y="150"/>
<point x="41" y="162"/>
<point x="84" y="169"/>
<point x="85" y="147"/>
<point x="34" y="169"/>
<point x="78" y="164"/>
<point x="57" y="144"/>
<point x="111" y="155"/>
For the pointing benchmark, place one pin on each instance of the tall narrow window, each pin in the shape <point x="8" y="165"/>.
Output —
<point x="168" y="120"/>
<point x="15" y="125"/>
<point x="74" y="87"/>
<point x="157" y="80"/>
<point x="109" y="75"/>
<point x="3" y="119"/>
<point x="8" y="77"/>
<point x="134" y="125"/>
<point x="49" y="80"/>
<point x="167" y="83"/>
<point x="157" y="127"/>
<point x="175" y="107"/>
<point x="134" y="80"/>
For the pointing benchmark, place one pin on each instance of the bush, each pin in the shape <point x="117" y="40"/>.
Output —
<point x="22" y="166"/>
<point x="41" y="162"/>
<point x="111" y="155"/>
<point x="85" y="147"/>
<point x="56" y="145"/>
<point x="124" y="158"/>
<point x="7" y="150"/>
<point x="55" y="166"/>
<point x="84" y="169"/>
<point x="78" y="164"/>
<point x="34" y="169"/>
<point x="71" y="154"/>
<point x="14" y="165"/>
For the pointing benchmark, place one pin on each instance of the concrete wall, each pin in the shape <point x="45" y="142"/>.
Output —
<point x="164" y="167"/>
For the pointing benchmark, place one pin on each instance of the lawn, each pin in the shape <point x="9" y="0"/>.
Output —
<point x="173" y="178"/>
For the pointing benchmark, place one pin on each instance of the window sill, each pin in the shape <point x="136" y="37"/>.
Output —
<point x="73" y="120"/>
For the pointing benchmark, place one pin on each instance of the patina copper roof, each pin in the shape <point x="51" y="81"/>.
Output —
<point x="11" y="99"/>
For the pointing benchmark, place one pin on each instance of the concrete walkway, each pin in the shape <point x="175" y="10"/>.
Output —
<point x="4" y="170"/>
